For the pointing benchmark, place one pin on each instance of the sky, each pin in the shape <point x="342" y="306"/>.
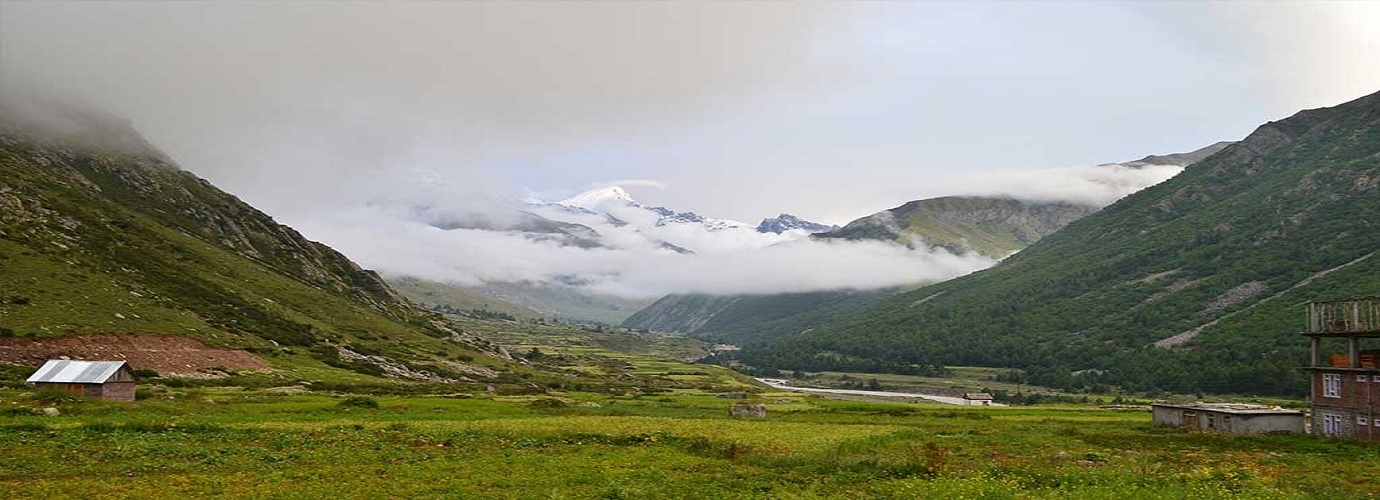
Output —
<point x="740" y="110"/>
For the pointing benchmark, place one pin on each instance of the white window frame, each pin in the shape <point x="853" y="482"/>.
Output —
<point x="1361" y="378"/>
<point x="1361" y="421"/>
<point x="1332" y="424"/>
<point x="1332" y="385"/>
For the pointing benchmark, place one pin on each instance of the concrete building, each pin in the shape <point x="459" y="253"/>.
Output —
<point x="977" y="399"/>
<point x="109" y="380"/>
<point x="1345" y="385"/>
<point x="1230" y="418"/>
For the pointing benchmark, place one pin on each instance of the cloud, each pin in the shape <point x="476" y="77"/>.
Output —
<point x="357" y="122"/>
<point x="631" y="183"/>
<point x="1096" y="185"/>
<point x="727" y="262"/>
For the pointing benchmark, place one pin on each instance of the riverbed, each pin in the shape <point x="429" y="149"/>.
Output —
<point x="781" y="384"/>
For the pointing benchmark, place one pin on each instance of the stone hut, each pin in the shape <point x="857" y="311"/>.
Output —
<point x="108" y="380"/>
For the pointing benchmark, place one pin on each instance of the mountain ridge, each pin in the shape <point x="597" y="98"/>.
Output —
<point x="1202" y="251"/>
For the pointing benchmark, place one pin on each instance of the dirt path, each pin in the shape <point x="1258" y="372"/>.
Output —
<point x="164" y="354"/>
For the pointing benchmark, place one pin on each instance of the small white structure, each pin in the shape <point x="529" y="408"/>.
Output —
<point x="1231" y="418"/>
<point x="977" y="399"/>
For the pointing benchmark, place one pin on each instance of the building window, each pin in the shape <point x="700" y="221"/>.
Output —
<point x="1332" y="424"/>
<point x="1361" y="378"/>
<point x="1361" y="421"/>
<point x="1332" y="385"/>
<point x="1212" y="421"/>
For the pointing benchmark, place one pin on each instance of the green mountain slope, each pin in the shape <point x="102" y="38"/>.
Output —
<point x="102" y="234"/>
<point x="1190" y="285"/>
<point x="995" y="227"/>
<point x="442" y="296"/>
<point x="750" y="319"/>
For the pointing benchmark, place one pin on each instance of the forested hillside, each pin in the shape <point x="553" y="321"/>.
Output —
<point x="1195" y="284"/>
<point x="750" y="319"/>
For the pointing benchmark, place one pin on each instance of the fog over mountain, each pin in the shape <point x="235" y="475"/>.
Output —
<point x="362" y="124"/>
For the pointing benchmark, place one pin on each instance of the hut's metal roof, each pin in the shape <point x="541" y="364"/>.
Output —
<point x="76" y="372"/>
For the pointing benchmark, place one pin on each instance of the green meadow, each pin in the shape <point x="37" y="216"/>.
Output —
<point x="265" y="443"/>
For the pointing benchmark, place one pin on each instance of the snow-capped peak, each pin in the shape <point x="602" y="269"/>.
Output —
<point x="597" y="197"/>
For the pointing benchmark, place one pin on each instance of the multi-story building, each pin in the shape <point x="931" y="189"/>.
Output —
<point x="1345" y="384"/>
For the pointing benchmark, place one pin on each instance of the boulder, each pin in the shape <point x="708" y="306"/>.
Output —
<point x="748" y="410"/>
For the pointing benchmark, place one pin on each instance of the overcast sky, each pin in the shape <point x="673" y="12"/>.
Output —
<point x="831" y="111"/>
<point x="737" y="110"/>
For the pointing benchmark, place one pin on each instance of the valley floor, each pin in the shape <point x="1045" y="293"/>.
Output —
<point x="235" y="443"/>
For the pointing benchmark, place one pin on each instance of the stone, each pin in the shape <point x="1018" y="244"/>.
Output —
<point x="748" y="410"/>
<point x="51" y="412"/>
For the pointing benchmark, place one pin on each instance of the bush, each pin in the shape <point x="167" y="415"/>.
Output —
<point x="547" y="403"/>
<point x="53" y="395"/>
<point x="359" y="402"/>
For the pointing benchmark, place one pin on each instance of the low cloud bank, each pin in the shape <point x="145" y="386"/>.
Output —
<point x="633" y="262"/>
<point x="1096" y="185"/>
<point x="396" y="232"/>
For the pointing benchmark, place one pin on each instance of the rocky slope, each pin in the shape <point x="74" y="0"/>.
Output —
<point x="102" y="234"/>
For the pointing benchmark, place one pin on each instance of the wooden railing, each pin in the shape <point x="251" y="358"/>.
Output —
<point x="1345" y="316"/>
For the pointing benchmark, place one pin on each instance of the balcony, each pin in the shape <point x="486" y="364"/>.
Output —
<point x="1344" y="317"/>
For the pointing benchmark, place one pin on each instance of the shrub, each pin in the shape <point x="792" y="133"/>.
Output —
<point x="359" y="402"/>
<point x="53" y="395"/>
<point x="547" y="403"/>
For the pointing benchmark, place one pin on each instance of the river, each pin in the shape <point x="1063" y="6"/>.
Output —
<point x="781" y="384"/>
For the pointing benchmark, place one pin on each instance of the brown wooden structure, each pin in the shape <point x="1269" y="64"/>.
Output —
<point x="109" y="380"/>
<point x="1345" y="391"/>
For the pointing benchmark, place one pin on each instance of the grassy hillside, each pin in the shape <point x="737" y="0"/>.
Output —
<point x="750" y="319"/>
<point x="431" y="294"/>
<point x="1191" y="285"/>
<point x="101" y="234"/>
<point x="565" y="303"/>
<point x="994" y="227"/>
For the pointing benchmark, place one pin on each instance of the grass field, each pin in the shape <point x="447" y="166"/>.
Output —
<point x="679" y="444"/>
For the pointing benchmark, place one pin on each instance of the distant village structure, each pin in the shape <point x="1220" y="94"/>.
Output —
<point x="1346" y="385"/>
<point x="1230" y="418"/>
<point x="108" y="380"/>
<point x="977" y="399"/>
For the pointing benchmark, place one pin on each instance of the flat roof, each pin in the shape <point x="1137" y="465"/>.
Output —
<point x="1235" y="408"/>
